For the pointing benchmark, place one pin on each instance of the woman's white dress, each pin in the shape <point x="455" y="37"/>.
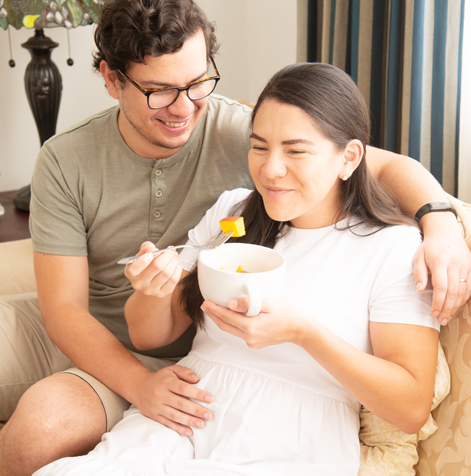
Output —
<point x="276" y="410"/>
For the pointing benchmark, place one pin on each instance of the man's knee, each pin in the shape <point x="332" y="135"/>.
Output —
<point x="57" y="417"/>
<point x="62" y="403"/>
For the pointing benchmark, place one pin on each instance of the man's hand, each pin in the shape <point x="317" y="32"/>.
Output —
<point x="445" y="256"/>
<point x="166" y="399"/>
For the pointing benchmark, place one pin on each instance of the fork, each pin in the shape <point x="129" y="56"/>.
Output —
<point x="218" y="241"/>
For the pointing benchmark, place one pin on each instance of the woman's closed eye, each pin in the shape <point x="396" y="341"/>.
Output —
<point x="296" y="151"/>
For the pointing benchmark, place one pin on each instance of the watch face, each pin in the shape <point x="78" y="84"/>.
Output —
<point x="434" y="207"/>
<point x="441" y="206"/>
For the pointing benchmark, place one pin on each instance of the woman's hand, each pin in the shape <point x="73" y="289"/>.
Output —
<point x="446" y="257"/>
<point x="278" y="321"/>
<point x="154" y="275"/>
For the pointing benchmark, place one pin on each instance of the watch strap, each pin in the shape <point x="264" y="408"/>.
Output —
<point x="434" y="207"/>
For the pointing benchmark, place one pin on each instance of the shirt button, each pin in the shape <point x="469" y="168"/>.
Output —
<point x="159" y="193"/>
<point x="157" y="214"/>
<point x="158" y="172"/>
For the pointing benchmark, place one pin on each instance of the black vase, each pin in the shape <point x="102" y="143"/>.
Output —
<point x="43" y="84"/>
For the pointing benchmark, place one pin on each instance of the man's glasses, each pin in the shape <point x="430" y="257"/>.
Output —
<point x="164" y="97"/>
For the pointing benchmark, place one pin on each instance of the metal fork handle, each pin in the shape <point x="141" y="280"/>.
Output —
<point x="131" y="259"/>
<point x="215" y="243"/>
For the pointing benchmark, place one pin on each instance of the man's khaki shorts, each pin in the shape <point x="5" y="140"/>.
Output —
<point x="27" y="355"/>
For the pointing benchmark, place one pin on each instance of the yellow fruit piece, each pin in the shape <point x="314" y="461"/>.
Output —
<point x="234" y="224"/>
<point x="240" y="270"/>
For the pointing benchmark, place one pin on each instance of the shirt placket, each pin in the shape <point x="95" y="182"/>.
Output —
<point x="158" y="200"/>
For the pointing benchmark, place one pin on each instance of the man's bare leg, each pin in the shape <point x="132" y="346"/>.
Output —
<point x="57" y="417"/>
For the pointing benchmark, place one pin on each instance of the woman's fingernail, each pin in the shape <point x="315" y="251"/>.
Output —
<point x="199" y="424"/>
<point x="207" y="416"/>
<point x="209" y="398"/>
<point x="435" y="313"/>
<point x="419" y="287"/>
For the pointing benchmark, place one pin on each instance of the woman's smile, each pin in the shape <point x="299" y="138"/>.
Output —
<point x="276" y="192"/>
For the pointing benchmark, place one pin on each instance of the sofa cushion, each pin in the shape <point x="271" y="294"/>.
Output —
<point x="386" y="450"/>
<point x="448" y="451"/>
<point x="16" y="269"/>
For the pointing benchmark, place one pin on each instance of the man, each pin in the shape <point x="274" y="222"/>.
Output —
<point x="146" y="170"/>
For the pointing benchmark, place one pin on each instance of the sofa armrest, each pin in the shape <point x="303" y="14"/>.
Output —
<point x="448" y="450"/>
<point x="16" y="267"/>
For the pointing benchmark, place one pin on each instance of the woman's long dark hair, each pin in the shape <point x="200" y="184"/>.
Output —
<point x="334" y="104"/>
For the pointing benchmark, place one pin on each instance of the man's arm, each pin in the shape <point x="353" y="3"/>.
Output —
<point x="63" y="299"/>
<point x="443" y="254"/>
<point x="410" y="183"/>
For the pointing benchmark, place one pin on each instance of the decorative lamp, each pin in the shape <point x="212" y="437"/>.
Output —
<point x="43" y="82"/>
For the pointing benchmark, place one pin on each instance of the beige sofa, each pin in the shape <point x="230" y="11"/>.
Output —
<point x="16" y="267"/>
<point x="446" y="453"/>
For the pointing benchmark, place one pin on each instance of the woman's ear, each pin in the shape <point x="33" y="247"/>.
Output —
<point x="352" y="155"/>
<point x="111" y="80"/>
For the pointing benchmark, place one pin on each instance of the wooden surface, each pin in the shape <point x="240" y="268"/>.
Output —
<point x="14" y="223"/>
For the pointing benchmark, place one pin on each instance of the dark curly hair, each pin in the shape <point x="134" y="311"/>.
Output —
<point x="130" y="30"/>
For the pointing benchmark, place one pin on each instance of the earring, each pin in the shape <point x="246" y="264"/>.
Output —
<point x="344" y="177"/>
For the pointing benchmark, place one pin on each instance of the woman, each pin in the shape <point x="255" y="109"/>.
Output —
<point x="288" y="383"/>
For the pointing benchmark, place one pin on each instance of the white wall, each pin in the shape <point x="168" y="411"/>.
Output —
<point x="464" y="179"/>
<point x="257" y="38"/>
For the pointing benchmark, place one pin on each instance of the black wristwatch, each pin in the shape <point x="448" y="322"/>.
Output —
<point x="434" y="207"/>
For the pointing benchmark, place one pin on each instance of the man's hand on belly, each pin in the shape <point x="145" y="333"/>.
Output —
<point x="166" y="399"/>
